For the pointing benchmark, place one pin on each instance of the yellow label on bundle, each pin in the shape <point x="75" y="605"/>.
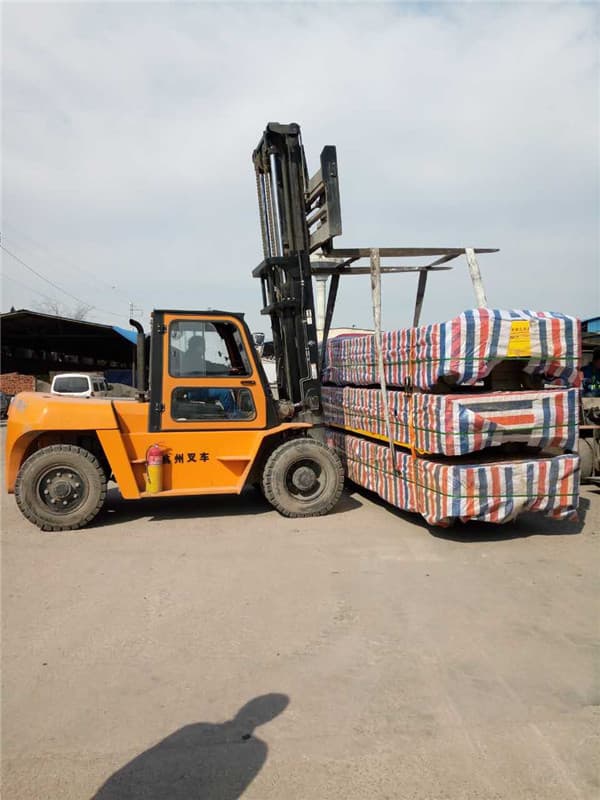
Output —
<point x="519" y="341"/>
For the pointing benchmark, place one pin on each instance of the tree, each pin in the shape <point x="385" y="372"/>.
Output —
<point x="81" y="310"/>
<point x="57" y="309"/>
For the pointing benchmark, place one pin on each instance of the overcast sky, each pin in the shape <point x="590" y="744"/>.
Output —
<point x="128" y="131"/>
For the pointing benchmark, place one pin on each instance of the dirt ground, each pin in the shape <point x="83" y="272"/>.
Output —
<point x="208" y="648"/>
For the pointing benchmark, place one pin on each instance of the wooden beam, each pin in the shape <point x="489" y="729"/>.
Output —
<point x="404" y="252"/>
<point x="420" y="296"/>
<point x="476" y="279"/>
<point x="375" y="265"/>
<point x="333" y="270"/>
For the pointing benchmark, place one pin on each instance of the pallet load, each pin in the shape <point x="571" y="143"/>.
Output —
<point x="458" y="424"/>
<point x="462" y="352"/>
<point x="449" y="424"/>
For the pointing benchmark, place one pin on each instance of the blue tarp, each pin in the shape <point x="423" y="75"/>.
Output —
<point x="131" y="336"/>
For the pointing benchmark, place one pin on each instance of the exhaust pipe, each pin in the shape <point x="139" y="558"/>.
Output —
<point x="140" y="360"/>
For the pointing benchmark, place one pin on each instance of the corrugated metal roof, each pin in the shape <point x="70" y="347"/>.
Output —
<point x="46" y="332"/>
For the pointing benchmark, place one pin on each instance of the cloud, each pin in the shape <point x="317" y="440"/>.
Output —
<point x="128" y="131"/>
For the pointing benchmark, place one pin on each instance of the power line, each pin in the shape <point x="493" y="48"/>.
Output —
<point x="25" y="286"/>
<point x="39" y="275"/>
<point x="66" y="262"/>
<point x="56" y="286"/>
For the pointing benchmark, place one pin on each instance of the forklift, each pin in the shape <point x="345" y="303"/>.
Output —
<point x="208" y="423"/>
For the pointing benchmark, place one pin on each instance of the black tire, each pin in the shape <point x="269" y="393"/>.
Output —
<point x="60" y="488"/>
<point x="303" y="478"/>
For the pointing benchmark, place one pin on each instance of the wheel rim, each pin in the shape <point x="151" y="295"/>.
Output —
<point x="61" y="489"/>
<point x="306" y="479"/>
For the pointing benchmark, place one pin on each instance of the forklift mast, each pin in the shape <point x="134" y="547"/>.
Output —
<point x="298" y="215"/>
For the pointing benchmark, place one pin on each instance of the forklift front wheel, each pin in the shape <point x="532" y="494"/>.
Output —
<point x="303" y="478"/>
<point x="60" y="488"/>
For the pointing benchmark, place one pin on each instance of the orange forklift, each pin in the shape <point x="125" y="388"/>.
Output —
<point x="208" y="422"/>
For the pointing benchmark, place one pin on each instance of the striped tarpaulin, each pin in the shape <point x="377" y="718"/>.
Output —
<point x="443" y="492"/>
<point x="456" y="424"/>
<point x="462" y="351"/>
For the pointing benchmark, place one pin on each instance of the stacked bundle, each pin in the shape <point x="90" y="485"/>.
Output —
<point x="456" y="424"/>
<point x="461" y="352"/>
<point x="443" y="491"/>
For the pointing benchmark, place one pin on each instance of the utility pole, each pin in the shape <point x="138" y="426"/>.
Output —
<point x="135" y="311"/>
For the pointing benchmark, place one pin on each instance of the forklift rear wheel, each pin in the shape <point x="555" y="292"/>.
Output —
<point x="303" y="478"/>
<point x="61" y="487"/>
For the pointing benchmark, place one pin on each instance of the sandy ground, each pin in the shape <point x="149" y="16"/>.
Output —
<point x="185" y="649"/>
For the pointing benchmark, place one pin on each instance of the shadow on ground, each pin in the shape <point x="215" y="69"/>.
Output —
<point x="203" y="761"/>
<point x="160" y="509"/>
<point x="528" y="524"/>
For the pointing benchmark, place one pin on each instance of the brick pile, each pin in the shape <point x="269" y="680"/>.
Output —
<point x="13" y="383"/>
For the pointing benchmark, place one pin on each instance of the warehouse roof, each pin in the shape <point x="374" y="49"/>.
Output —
<point x="36" y="331"/>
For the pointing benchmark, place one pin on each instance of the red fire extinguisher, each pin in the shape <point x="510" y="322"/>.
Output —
<point x="154" y="463"/>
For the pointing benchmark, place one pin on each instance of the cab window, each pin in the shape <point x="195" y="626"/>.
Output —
<point x="206" y="349"/>
<point x="211" y="403"/>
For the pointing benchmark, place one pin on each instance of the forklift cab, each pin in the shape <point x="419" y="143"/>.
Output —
<point x="205" y="374"/>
